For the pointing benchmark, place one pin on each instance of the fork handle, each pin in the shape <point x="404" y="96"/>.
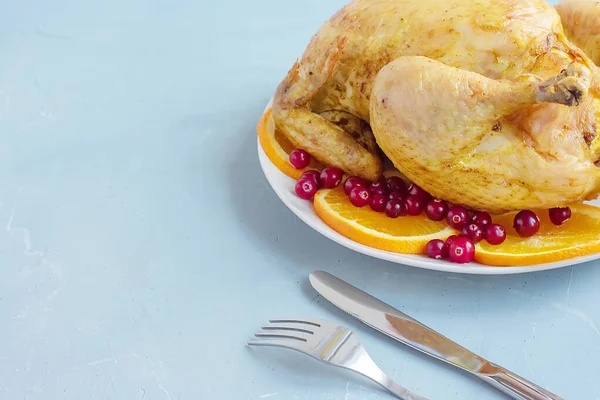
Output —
<point x="400" y="391"/>
<point x="368" y="368"/>
<point x="517" y="387"/>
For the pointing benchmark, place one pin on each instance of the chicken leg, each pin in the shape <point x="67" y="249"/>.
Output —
<point x="432" y="120"/>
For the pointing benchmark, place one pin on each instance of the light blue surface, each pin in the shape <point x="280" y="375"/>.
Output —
<point x="141" y="246"/>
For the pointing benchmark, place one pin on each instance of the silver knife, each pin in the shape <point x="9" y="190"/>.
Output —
<point x="398" y="325"/>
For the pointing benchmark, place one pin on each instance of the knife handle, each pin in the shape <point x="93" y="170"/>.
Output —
<point x="517" y="387"/>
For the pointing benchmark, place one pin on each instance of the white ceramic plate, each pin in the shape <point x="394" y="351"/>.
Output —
<point x="283" y="185"/>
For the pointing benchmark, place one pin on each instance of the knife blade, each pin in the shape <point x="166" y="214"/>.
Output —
<point x="400" y="326"/>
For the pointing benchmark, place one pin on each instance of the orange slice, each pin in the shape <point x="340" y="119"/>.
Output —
<point x="579" y="236"/>
<point x="408" y="235"/>
<point x="277" y="147"/>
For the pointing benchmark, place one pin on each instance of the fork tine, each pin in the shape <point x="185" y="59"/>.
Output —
<point x="284" y="327"/>
<point x="294" y="321"/>
<point x="278" y="335"/>
<point x="283" y="343"/>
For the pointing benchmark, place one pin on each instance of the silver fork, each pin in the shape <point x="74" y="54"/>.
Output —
<point x="330" y="343"/>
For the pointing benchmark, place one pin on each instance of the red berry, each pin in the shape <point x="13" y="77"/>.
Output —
<point x="360" y="196"/>
<point x="331" y="177"/>
<point x="457" y="217"/>
<point x="462" y="250"/>
<point x="436" y="249"/>
<point x="395" y="183"/>
<point x="436" y="209"/>
<point x="299" y="158"/>
<point x="378" y="187"/>
<point x="448" y="242"/>
<point x="495" y="234"/>
<point x="311" y="174"/>
<point x="306" y="188"/>
<point x="416" y="190"/>
<point x="395" y="208"/>
<point x="482" y="218"/>
<point x="473" y="231"/>
<point x="396" y="195"/>
<point x="450" y="239"/>
<point x="353" y="182"/>
<point x="378" y="202"/>
<point x="414" y="205"/>
<point x="559" y="216"/>
<point x="526" y="223"/>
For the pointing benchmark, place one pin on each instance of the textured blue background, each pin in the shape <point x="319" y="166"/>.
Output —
<point x="141" y="246"/>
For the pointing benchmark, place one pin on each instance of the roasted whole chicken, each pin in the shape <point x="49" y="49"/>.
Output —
<point x="484" y="103"/>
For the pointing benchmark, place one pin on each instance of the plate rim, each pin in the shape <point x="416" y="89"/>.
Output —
<point x="274" y="175"/>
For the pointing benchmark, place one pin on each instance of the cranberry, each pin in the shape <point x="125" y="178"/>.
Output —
<point x="414" y="205"/>
<point x="482" y="218"/>
<point x="306" y="188"/>
<point x="436" y="249"/>
<point x="353" y="182"/>
<point x="526" y="223"/>
<point x="473" y="231"/>
<point x="457" y="217"/>
<point x="415" y="190"/>
<point x="378" y="187"/>
<point x="311" y="174"/>
<point x="462" y="250"/>
<point x="360" y="196"/>
<point x="436" y="209"/>
<point x="331" y="177"/>
<point x="395" y="208"/>
<point x="299" y="158"/>
<point x="378" y="202"/>
<point x="559" y="216"/>
<point x="395" y="183"/>
<point x="448" y="242"/>
<point x="396" y="195"/>
<point x="495" y="234"/>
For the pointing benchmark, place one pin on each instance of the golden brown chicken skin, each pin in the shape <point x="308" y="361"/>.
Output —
<point x="581" y="21"/>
